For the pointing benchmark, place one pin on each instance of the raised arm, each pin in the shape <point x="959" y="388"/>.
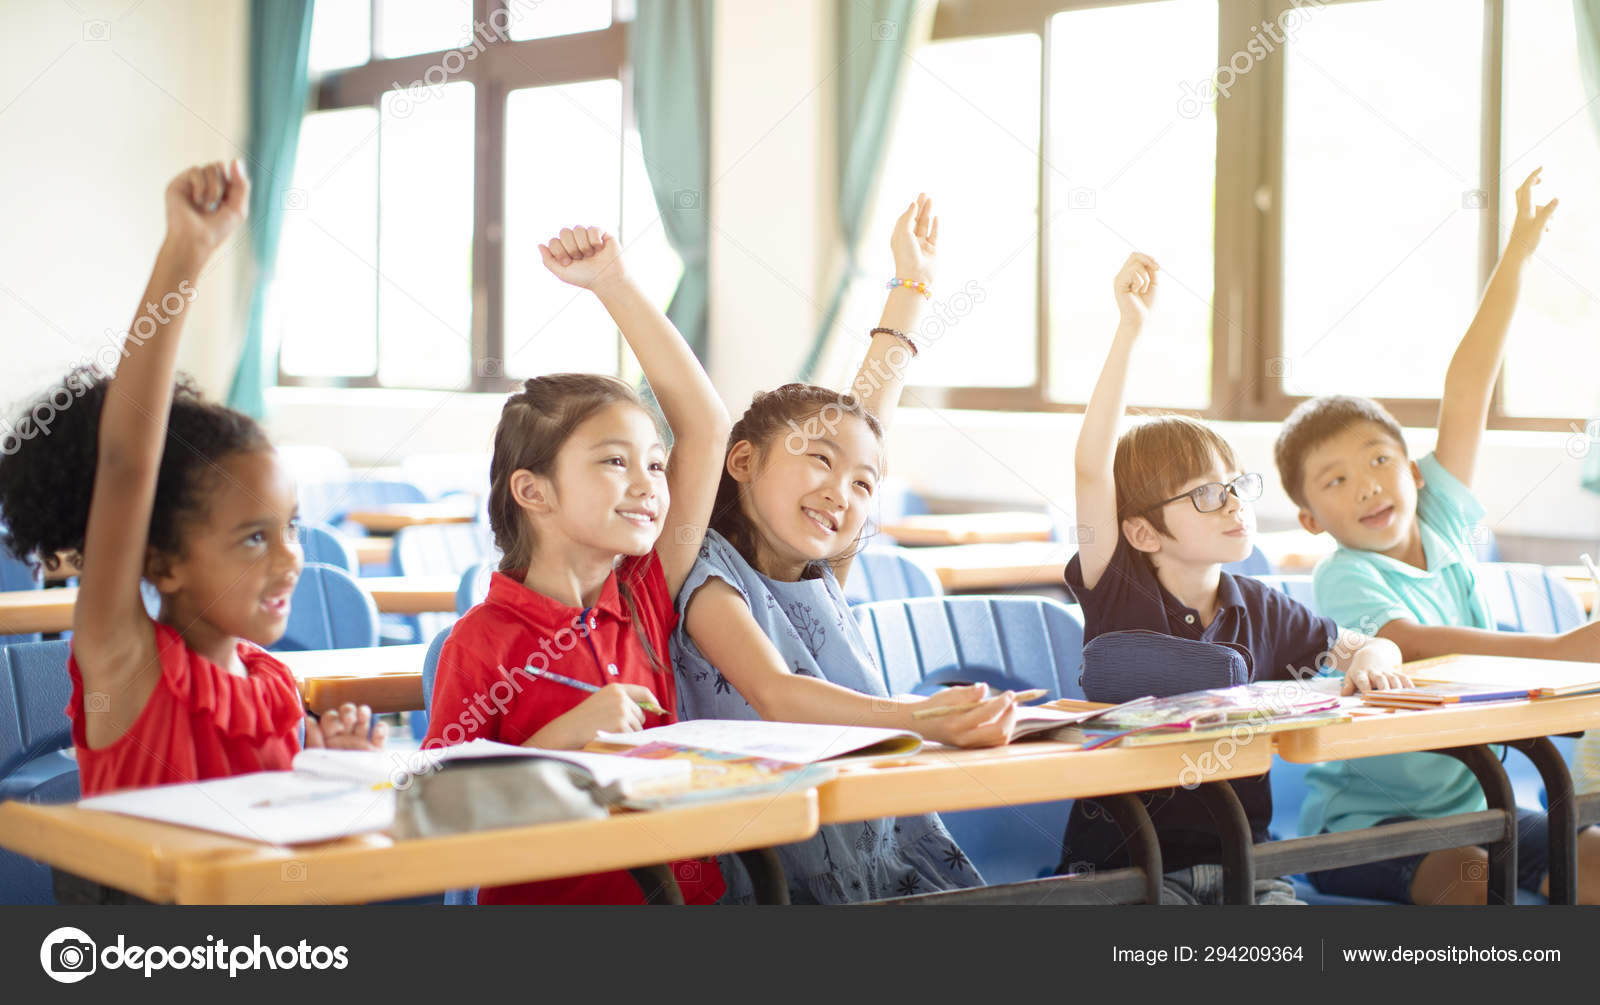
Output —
<point x="1469" y="383"/>
<point x="112" y="641"/>
<point x="883" y="371"/>
<point x="591" y="258"/>
<point x="1095" y="485"/>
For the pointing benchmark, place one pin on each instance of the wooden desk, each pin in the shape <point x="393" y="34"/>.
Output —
<point x="975" y="567"/>
<point x="171" y="864"/>
<point x="1403" y="731"/>
<point x="1294" y="552"/>
<point x="969" y="528"/>
<point x="388" y="678"/>
<point x="945" y="779"/>
<point x="390" y="519"/>
<point x="373" y="550"/>
<point x="23" y="611"/>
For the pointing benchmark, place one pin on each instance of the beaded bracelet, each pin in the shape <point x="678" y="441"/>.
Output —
<point x="913" y="284"/>
<point x="902" y="336"/>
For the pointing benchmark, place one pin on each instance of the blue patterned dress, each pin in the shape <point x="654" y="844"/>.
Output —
<point x="812" y="627"/>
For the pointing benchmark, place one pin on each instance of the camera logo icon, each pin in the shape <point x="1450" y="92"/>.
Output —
<point x="68" y="955"/>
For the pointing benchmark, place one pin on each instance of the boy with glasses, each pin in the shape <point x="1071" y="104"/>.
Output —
<point x="1160" y="512"/>
<point x="1404" y="567"/>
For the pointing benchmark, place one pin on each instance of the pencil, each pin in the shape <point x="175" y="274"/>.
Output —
<point x="314" y="797"/>
<point x="555" y="678"/>
<point x="1032" y="694"/>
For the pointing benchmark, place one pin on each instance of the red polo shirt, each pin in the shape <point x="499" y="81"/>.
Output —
<point x="515" y="627"/>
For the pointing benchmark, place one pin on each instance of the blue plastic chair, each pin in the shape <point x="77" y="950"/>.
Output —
<point x="1528" y="598"/>
<point x="328" y="501"/>
<point x="440" y="550"/>
<point x="474" y="586"/>
<point x="35" y="736"/>
<point x="889" y="573"/>
<point x="1008" y="642"/>
<point x="15" y="575"/>
<point x="1298" y="587"/>
<point x="329" y="610"/>
<point x="326" y="546"/>
<point x="430" y="667"/>
<point x="1253" y="564"/>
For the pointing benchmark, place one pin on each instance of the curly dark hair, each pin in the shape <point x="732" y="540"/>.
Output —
<point x="771" y="416"/>
<point x="48" y="455"/>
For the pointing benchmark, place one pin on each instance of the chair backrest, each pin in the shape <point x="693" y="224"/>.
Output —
<point x="430" y="667"/>
<point x="328" y="501"/>
<point x="1528" y="598"/>
<point x="446" y="549"/>
<point x="1298" y="587"/>
<point x="881" y="573"/>
<point x="474" y="586"/>
<point x="1253" y="564"/>
<point x="33" y="699"/>
<point x="326" y="546"/>
<point x="1008" y="642"/>
<point x="923" y="643"/>
<point x="330" y="609"/>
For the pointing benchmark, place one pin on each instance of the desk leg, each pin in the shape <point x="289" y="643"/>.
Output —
<point x="70" y="888"/>
<point x="658" y="885"/>
<point x="766" y="875"/>
<point x="1480" y="760"/>
<point x="1233" y="828"/>
<point x="1563" y="816"/>
<point x="1144" y="850"/>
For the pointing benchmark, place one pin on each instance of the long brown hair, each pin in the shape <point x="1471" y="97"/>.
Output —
<point x="535" y="424"/>
<point x="773" y="415"/>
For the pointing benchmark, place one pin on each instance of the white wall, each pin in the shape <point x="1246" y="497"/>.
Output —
<point x="101" y="103"/>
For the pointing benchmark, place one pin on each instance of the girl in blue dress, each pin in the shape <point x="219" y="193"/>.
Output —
<point x="766" y="632"/>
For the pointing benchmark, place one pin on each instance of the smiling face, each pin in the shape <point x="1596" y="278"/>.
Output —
<point x="1360" y="487"/>
<point x="240" y="560"/>
<point x="608" y="486"/>
<point x="1198" y="539"/>
<point x="807" y="494"/>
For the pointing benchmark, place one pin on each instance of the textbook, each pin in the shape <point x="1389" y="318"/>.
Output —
<point x="1438" y="695"/>
<point x="790" y="742"/>
<point x="1535" y="678"/>
<point x="335" y="793"/>
<point x="1262" y="707"/>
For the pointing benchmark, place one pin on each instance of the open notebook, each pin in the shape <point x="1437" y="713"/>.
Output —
<point x="1535" y="678"/>
<point x="334" y="793"/>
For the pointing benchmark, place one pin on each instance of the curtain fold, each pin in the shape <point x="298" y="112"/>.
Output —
<point x="280" y="38"/>
<point x="671" y="52"/>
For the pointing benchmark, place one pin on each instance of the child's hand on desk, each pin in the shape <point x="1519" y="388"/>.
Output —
<point x="205" y="205"/>
<point x="988" y="725"/>
<point x="615" y="708"/>
<point x="914" y="241"/>
<point x="587" y="257"/>
<point x="1135" y="287"/>
<point x="346" y="728"/>
<point x="1530" y="223"/>
<point x="1374" y="667"/>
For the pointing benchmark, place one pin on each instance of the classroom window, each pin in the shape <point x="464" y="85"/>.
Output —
<point x="409" y="251"/>
<point x="1327" y="187"/>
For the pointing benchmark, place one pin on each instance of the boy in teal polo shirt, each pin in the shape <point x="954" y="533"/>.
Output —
<point x="1404" y="571"/>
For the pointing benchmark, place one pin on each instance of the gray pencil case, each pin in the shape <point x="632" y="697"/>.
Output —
<point x="486" y="793"/>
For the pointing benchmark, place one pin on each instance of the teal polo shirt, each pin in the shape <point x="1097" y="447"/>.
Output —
<point x="1364" y="590"/>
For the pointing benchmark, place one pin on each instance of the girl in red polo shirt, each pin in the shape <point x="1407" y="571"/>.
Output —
<point x="597" y="536"/>
<point x="142" y="480"/>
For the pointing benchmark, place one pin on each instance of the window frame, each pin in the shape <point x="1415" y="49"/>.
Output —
<point x="1248" y="227"/>
<point x="501" y="67"/>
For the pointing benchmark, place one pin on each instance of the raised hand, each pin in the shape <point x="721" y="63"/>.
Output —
<point x="1135" y="286"/>
<point x="205" y="205"/>
<point x="914" y="241"/>
<point x="586" y="257"/>
<point x="1530" y="223"/>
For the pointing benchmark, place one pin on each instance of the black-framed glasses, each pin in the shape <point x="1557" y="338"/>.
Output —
<point x="1212" y="496"/>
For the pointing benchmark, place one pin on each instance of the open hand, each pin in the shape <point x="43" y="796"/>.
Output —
<point x="1530" y="223"/>
<point x="915" y="240"/>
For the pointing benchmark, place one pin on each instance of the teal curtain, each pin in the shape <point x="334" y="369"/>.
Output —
<point x="280" y="37"/>
<point x="872" y="36"/>
<point x="1587" y="13"/>
<point x="671" y="48"/>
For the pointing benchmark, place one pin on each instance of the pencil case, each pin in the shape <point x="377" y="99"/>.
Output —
<point x="1122" y="666"/>
<point x="486" y="793"/>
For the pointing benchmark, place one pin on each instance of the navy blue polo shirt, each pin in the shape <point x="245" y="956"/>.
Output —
<point x="1278" y="633"/>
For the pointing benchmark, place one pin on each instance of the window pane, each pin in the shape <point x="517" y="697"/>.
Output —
<point x="1132" y="168"/>
<point x="341" y="34"/>
<point x="425" y="250"/>
<point x="323" y="307"/>
<point x="407" y="27"/>
<point x="1381" y="203"/>
<point x="563" y="168"/>
<point x="1548" y="120"/>
<point x="532" y="19"/>
<point x="651" y="259"/>
<point x="984" y="91"/>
